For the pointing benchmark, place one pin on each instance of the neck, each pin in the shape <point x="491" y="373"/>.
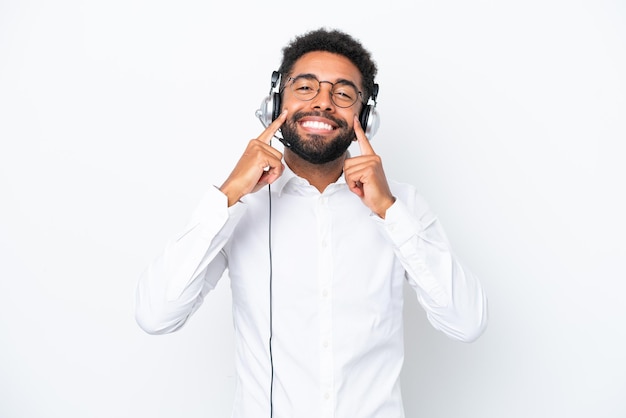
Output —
<point x="318" y="175"/>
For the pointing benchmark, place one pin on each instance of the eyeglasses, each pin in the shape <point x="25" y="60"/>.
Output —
<point x="306" y="87"/>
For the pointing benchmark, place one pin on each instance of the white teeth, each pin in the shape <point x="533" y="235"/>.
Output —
<point x="317" y="125"/>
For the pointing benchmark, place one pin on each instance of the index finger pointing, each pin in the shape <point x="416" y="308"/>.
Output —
<point x="267" y="135"/>
<point x="364" y="143"/>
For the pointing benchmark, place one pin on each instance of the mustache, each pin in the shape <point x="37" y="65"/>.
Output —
<point x="339" y="122"/>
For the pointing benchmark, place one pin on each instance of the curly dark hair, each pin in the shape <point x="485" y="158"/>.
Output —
<point x="336" y="42"/>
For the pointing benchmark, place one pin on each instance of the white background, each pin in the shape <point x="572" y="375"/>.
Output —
<point x="116" y="116"/>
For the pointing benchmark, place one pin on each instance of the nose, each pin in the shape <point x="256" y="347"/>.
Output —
<point x="323" y="99"/>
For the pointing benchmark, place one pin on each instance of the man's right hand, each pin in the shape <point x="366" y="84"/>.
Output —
<point x="260" y="164"/>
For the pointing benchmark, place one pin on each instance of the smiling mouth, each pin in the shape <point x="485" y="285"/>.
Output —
<point x="319" y="126"/>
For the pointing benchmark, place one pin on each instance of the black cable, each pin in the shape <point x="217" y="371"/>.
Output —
<point x="269" y="189"/>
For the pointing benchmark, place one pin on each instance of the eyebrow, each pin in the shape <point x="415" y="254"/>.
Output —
<point x="338" y="81"/>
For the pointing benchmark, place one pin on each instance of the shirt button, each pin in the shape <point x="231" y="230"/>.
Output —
<point x="325" y="293"/>
<point x="325" y="344"/>
<point x="326" y="395"/>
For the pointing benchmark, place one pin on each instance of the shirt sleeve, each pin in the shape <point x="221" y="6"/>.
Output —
<point x="452" y="296"/>
<point x="174" y="285"/>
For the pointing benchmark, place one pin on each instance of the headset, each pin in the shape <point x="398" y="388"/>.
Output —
<point x="271" y="106"/>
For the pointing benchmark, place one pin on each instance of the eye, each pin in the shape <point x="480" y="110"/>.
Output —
<point x="305" y="86"/>
<point x="302" y="88"/>
<point x="346" y="93"/>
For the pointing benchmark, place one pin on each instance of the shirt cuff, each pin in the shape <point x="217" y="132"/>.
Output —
<point x="399" y="223"/>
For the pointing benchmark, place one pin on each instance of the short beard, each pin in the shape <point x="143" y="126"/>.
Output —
<point x="315" y="149"/>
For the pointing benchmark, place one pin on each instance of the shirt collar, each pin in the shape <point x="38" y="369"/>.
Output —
<point x="290" y="181"/>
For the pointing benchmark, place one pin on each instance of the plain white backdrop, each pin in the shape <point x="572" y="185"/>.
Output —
<point x="116" y="116"/>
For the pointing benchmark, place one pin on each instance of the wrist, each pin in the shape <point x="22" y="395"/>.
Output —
<point x="381" y="211"/>
<point x="232" y="196"/>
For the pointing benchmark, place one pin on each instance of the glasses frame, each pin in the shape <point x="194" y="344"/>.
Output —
<point x="291" y="80"/>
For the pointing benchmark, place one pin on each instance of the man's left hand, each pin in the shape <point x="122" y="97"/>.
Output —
<point x="365" y="176"/>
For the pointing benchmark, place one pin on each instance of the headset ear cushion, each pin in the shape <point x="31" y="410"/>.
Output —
<point x="364" y="116"/>
<point x="276" y="106"/>
<point x="369" y="120"/>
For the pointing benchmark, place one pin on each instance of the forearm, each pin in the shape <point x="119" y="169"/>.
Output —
<point x="452" y="297"/>
<point x="176" y="282"/>
<point x="464" y="316"/>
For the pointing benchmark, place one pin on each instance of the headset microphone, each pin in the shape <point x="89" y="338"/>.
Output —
<point x="280" y="138"/>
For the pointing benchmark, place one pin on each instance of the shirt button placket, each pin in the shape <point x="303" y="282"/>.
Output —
<point x="325" y="280"/>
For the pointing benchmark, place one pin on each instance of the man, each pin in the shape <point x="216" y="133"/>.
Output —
<point x="318" y="245"/>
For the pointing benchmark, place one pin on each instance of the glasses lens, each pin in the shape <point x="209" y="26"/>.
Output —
<point x="344" y="94"/>
<point x="305" y="88"/>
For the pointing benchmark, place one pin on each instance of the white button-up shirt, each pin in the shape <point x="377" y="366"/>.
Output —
<point x="333" y="273"/>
